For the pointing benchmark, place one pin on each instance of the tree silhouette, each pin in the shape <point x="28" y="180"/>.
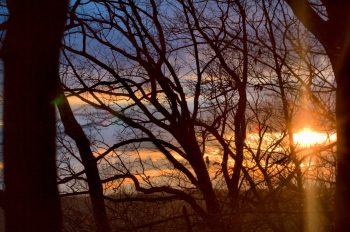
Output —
<point x="208" y="89"/>
<point x="75" y="131"/>
<point x="330" y="24"/>
<point x="128" y="69"/>
<point x="31" y="54"/>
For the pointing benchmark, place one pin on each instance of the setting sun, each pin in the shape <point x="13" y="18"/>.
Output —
<point x="307" y="137"/>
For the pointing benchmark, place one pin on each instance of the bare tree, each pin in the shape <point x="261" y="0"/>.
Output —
<point x="210" y="87"/>
<point x="75" y="131"/>
<point x="328" y="21"/>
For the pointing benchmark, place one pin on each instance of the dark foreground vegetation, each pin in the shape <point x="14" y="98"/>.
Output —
<point x="174" y="215"/>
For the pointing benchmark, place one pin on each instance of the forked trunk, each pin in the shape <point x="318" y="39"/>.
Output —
<point x="213" y="218"/>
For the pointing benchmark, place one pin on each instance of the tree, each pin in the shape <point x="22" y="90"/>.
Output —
<point x="31" y="54"/>
<point x="184" y="81"/>
<point x="178" y="114"/>
<point x="329" y="23"/>
<point x="75" y="131"/>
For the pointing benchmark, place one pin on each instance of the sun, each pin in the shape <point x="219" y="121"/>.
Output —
<point x="308" y="137"/>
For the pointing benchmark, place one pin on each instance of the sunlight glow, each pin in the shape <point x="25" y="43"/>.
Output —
<point x="308" y="137"/>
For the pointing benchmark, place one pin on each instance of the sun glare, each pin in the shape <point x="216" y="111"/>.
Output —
<point x="307" y="137"/>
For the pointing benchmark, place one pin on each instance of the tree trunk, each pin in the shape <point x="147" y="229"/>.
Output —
<point x="334" y="35"/>
<point x="240" y="136"/>
<point x="187" y="219"/>
<point x="31" y="57"/>
<point x="74" y="130"/>
<point x="190" y="145"/>
<point x="342" y="206"/>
